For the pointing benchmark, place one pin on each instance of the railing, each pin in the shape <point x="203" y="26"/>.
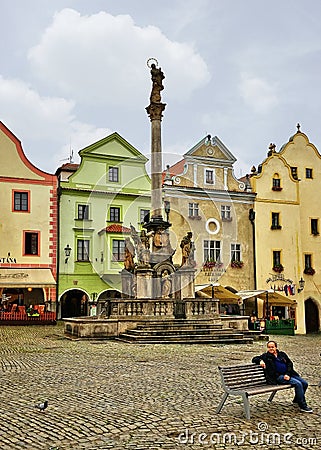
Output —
<point x="18" y="317"/>
<point x="122" y="308"/>
<point x="282" y="326"/>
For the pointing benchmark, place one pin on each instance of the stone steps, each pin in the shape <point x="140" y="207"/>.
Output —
<point x="183" y="332"/>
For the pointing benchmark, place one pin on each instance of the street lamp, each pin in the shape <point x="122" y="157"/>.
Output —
<point x="167" y="206"/>
<point x="301" y="284"/>
<point x="67" y="251"/>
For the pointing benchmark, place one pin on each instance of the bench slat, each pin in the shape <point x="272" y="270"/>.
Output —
<point x="246" y="380"/>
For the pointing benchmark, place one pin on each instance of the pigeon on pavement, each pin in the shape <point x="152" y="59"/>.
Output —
<point x="42" y="406"/>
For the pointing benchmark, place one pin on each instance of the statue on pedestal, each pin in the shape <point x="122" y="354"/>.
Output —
<point x="166" y="284"/>
<point x="188" y="250"/>
<point x="157" y="79"/>
<point x="129" y="255"/>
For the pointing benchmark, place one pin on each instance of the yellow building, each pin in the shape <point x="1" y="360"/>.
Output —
<point x="287" y="227"/>
<point x="206" y="199"/>
<point x="28" y="229"/>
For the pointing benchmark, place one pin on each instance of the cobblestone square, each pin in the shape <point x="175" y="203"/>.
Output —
<point x="110" y="395"/>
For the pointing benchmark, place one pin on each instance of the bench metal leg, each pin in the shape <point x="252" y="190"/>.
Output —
<point x="272" y="396"/>
<point x="220" y="406"/>
<point x="246" y="405"/>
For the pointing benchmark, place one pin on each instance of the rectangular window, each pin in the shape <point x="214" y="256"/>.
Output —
<point x="193" y="210"/>
<point x="308" y="173"/>
<point x="212" y="251"/>
<point x="209" y="176"/>
<point x="315" y="226"/>
<point x="113" y="174"/>
<point x="307" y="261"/>
<point x="114" y="214"/>
<point x="276" y="182"/>
<point x="31" y="243"/>
<point x="294" y="171"/>
<point x="275" y="225"/>
<point x="144" y="215"/>
<point x="235" y="252"/>
<point x="21" y="201"/>
<point x="82" y="250"/>
<point x="83" y="212"/>
<point x="276" y="258"/>
<point x="226" y="213"/>
<point x="118" y="250"/>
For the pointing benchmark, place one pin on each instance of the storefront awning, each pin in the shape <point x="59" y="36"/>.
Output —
<point x="220" y="292"/>
<point x="24" y="278"/>
<point x="274" y="298"/>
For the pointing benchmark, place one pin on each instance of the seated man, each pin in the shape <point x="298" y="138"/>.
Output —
<point x="278" y="369"/>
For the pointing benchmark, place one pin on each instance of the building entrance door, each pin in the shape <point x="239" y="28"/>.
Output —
<point x="311" y="316"/>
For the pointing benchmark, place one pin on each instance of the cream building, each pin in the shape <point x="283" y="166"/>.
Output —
<point x="206" y="199"/>
<point x="287" y="226"/>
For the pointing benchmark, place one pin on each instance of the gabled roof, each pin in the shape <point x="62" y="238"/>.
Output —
<point x="126" y="149"/>
<point x="211" y="144"/>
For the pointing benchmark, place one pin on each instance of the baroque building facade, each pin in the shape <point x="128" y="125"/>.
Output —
<point x="99" y="200"/>
<point x="287" y="226"/>
<point x="206" y="199"/>
<point x="28" y="229"/>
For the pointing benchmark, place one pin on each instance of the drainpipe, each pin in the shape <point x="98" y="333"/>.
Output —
<point x="252" y="220"/>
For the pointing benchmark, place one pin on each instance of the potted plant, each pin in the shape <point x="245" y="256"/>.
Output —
<point x="237" y="264"/>
<point x="309" y="271"/>
<point x="278" y="268"/>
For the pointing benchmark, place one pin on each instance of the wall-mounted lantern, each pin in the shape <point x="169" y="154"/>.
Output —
<point x="67" y="251"/>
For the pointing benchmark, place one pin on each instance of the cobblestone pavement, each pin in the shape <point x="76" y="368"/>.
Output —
<point x="109" y="395"/>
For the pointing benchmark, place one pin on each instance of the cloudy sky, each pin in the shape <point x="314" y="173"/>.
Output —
<point x="74" y="71"/>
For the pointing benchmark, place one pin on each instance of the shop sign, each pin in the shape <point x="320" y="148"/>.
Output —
<point x="14" y="275"/>
<point x="8" y="260"/>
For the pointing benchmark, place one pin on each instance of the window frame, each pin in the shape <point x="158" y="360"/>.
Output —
<point x="294" y="172"/>
<point x="314" y="227"/>
<point x="82" y="211"/>
<point x="308" y="173"/>
<point x="209" y="180"/>
<point x="226" y="213"/>
<point x="20" y="192"/>
<point x="308" y="261"/>
<point x="26" y="233"/>
<point x="212" y="250"/>
<point x="113" y="174"/>
<point x="113" y="209"/>
<point x="193" y="209"/>
<point x="275" y="221"/>
<point x="236" y="254"/>
<point x="276" y="255"/>
<point x="83" y="251"/>
<point x="118" y="251"/>
<point x="142" y="214"/>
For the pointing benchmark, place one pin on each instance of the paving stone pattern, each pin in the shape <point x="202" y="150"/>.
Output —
<point x="109" y="395"/>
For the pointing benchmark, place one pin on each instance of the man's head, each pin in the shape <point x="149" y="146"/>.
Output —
<point x="272" y="347"/>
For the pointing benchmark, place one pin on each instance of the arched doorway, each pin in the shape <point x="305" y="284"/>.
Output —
<point x="73" y="303"/>
<point x="312" y="323"/>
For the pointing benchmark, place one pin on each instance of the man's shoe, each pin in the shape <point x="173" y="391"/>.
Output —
<point x="306" y="409"/>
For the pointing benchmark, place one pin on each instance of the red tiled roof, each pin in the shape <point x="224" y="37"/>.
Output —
<point x="115" y="228"/>
<point x="175" y="169"/>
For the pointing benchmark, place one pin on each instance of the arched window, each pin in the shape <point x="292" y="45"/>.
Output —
<point x="276" y="182"/>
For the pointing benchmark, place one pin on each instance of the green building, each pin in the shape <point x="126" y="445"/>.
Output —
<point x="98" y="201"/>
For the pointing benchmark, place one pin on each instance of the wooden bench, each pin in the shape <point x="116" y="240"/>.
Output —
<point x="246" y="380"/>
